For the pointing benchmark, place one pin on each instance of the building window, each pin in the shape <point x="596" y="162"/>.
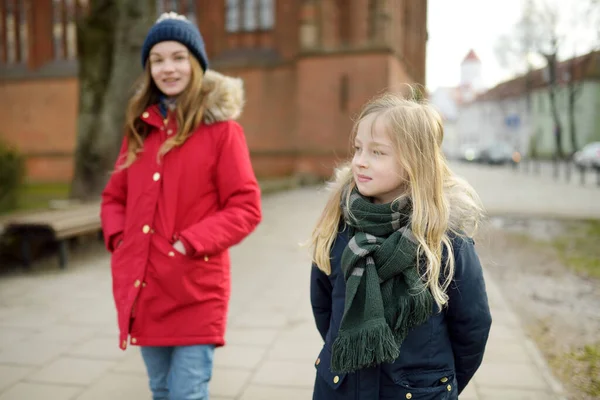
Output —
<point x="13" y="32"/>
<point x="249" y="15"/>
<point x="64" y="27"/>
<point x="343" y="22"/>
<point x="183" y="7"/>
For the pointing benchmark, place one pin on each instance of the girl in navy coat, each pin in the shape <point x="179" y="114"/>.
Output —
<point x="397" y="289"/>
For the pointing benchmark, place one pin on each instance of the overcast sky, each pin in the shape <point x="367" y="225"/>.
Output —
<point x="455" y="26"/>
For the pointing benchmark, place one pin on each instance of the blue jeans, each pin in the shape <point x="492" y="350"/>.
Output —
<point x="179" y="372"/>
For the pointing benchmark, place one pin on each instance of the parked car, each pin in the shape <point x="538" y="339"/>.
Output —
<point x="588" y="156"/>
<point x="469" y="153"/>
<point x="499" y="153"/>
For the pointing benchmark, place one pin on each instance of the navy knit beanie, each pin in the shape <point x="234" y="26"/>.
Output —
<point x="171" y="26"/>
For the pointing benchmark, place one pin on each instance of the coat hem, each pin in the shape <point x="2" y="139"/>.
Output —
<point x="171" y="341"/>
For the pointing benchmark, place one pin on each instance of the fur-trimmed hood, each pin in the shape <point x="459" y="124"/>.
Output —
<point x="225" y="99"/>
<point x="465" y="208"/>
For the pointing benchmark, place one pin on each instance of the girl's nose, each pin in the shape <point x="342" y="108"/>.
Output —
<point x="168" y="66"/>
<point x="360" y="161"/>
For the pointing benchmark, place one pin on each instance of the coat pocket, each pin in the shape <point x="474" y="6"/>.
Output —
<point x="430" y="385"/>
<point x="323" y="366"/>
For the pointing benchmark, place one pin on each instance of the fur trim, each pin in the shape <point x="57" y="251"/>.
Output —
<point x="225" y="99"/>
<point x="465" y="209"/>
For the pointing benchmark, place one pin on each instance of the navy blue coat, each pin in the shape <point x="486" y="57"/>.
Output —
<point x="437" y="359"/>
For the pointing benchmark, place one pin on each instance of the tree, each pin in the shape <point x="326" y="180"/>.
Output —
<point x="109" y="42"/>
<point x="517" y="52"/>
<point x="542" y="31"/>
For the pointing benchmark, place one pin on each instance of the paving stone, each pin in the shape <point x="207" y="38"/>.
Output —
<point x="71" y="334"/>
<point x="9" y="336"/>
<point x="289" y="350"/>
<point x="132" y="363"/>
<point x="259" y="319"/>
<point x="117" y="387"/>
<point x="35" y="391"/>
<point x="507" y="351"/>
<point x="514" y="394"/>
<point x="250" y="336"/>
<point x="30" y="317"/>
<point x="509" y="375"/>
<point x="228" y="382"/>
<point x="285" y="373"/>
<point x="469" y="393"/>
<point x="31" y="353"/>
<point x="71" y="371"/>
<point x="98" y="348"/>
<point x="258" y="392"/>
<point x="236" y="356"/>
<point x="10" y="374"/>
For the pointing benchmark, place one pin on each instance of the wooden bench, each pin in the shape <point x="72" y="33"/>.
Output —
<point x="59" y="225"/>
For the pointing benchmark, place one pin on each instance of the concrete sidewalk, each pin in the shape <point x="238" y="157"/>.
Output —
<point x="58" y="339"/>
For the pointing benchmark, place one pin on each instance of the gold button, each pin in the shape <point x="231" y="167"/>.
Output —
<point x="124" y="344"/>
<point x="145" y="115"/>
<point x="133" y="340"/>
<point x="137" y="283"/>
<point x="336" y="379"/>
<point x="166" y="121"/>
<point x="171" y="254"/>
<point x="449" y="388"/>
<point x="409" y="396"/>
<point x="146" y="229"/>
<point x="444" y="380"/>
<point x="318" y="361"/>
<point x="205" y="258"/>
<point x="144" y="284"/>
<point x="169" y="131"/>
<point x="156" y="176"/>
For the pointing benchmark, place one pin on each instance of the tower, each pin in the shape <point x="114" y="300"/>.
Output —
<point x="471" y="79"/>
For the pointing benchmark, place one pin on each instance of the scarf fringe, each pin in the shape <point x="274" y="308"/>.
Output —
<point x="413" y="310"/>
<point x="360" y="348"/>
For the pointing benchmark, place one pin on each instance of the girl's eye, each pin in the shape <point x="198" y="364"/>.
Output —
<point x="356" y="149"/>
<point x="155" y="61"/>
<point x="180" y="58"/>
<point x="377" y="153"/>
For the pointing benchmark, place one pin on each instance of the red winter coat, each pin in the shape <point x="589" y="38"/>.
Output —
<point x="203" y="193"/>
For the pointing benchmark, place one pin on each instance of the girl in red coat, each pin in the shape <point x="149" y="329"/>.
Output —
<point x="183" y="192"/>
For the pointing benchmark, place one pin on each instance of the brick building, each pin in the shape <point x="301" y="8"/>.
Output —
<point x="308" y="66"/>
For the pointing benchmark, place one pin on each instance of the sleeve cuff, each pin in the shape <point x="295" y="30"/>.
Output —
<point x="189" y="249"/>
<point x="114" y="240"/>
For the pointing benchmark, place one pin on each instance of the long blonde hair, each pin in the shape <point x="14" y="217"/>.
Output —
<point x="188" y="113"/>
<point x="442" y="203"/>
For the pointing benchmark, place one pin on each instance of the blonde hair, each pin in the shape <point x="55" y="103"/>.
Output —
<point x="188" y="113"/>
<point x="442" y="203"/>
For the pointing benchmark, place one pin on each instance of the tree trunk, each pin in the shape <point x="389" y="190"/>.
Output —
<point x="573" y="89"/>
<point x="552" y="87"/>
<point x="109" y="47"/>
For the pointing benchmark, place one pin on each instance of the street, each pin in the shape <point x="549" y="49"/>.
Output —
<point x="58" y="338"/>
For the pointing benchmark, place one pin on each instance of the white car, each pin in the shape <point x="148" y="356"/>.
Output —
<point x="588" y="156"/>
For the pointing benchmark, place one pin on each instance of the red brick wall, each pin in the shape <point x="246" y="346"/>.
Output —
<point x="39" y="117"/>
<point x="299" y="108"/>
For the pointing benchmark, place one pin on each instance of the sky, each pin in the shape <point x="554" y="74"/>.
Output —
<point x="456" y="26"/>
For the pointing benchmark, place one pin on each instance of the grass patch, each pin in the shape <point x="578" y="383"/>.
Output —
<point x="578" y="248"/>
<point x="582" y="366"/>
<point x="34" y="196"/>
<point x="578" y="367"/>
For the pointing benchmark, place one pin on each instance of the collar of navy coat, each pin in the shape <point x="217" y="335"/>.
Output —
<point x="225" y="100"/>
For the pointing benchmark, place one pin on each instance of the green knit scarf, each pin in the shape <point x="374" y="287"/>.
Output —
<point x="385" y="295"/>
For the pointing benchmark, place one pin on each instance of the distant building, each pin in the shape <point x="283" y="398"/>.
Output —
<point x="449" y="100"/>
<point x="506" y="113"/>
